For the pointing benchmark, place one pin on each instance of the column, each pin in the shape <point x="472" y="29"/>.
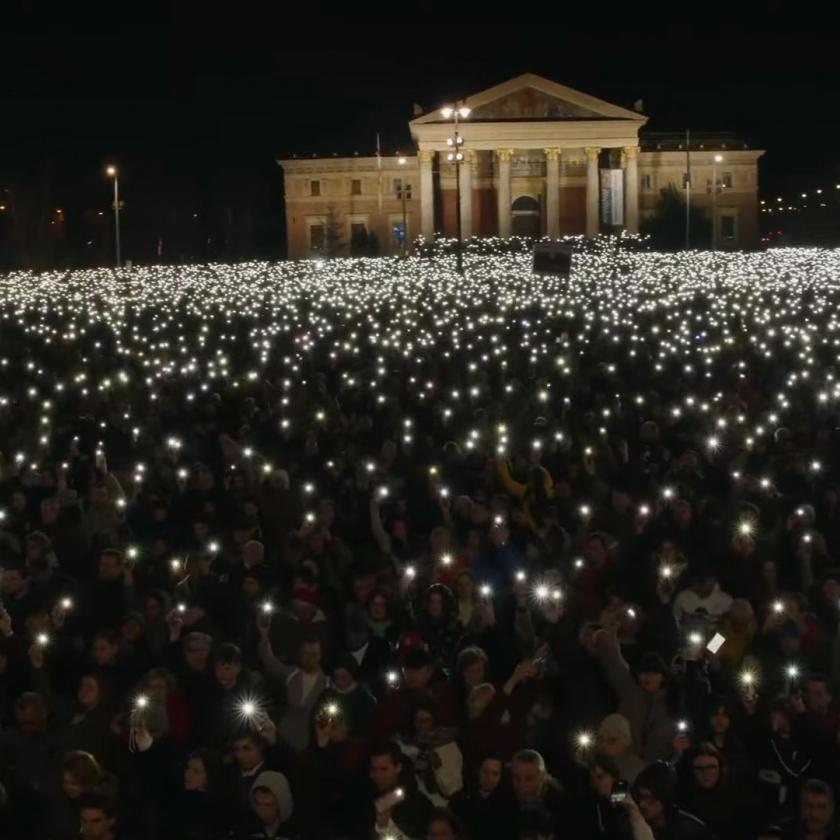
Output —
<point x="503" y="192"/>
<point x="593" y="222"/>
<point x="630" y="160"/>
<point x="466" y="168"/>
<point x="552" y="192"/>
<point x="427" y="194"/>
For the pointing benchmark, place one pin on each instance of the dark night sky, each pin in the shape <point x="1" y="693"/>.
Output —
<point x="174" y="95"/>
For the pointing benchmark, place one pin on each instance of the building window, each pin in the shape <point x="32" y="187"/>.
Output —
<point x="399" y="188"/>
<point x="726" y="180"/>
<point x="727" y="227"/>
<point x="357" y="229"/>
<point x="316" y="237"/>
<point x="647" y="181"/>
<point x="356" y="186"/>
<point x="314" y="188"/>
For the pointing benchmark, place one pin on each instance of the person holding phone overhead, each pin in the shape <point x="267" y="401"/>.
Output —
<point x="395" y="807"/>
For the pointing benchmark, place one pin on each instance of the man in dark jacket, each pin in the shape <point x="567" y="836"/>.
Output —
<point x="535" y="790"/>
<point x="655" y="792"/>
<point x="396" y="807"/>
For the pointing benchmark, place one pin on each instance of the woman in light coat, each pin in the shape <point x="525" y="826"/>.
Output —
<point x="434" y="753"/>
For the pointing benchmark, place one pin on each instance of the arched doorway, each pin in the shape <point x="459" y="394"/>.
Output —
<point x="525" y="212"/>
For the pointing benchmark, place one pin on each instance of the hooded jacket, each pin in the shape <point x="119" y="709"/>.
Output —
<point x="279" y="787"/>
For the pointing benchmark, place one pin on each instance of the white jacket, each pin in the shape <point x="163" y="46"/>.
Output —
<point x="447" y="777"/>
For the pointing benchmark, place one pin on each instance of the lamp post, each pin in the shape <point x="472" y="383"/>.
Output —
<point x="112" y="172"/>
<point x="715" y="161"/>
<point x="402" y="160"/>
<point x="456" y="156"/>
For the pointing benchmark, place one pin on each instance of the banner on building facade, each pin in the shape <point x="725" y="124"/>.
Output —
<point x="612" y="197"/>
<point x="552" y="258"/>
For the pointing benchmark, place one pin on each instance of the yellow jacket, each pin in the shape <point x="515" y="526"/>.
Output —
<point x="519" y="489"/>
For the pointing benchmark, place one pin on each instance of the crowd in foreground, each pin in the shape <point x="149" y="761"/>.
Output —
<point x="364" y="549"/>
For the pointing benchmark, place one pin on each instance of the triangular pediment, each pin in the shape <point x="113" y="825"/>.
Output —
<point x="528" y="103"/>
<point x="529" y="98"/>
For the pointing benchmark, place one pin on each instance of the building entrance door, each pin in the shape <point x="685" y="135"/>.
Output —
<point x="525" y="217"/>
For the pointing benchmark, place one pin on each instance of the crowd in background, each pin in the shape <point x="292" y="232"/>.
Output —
<point x="483" y="558"/>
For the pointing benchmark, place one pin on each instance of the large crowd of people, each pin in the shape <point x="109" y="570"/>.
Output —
<point x="368" y="549"/>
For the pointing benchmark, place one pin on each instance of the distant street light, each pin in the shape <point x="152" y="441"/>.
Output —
<point x="456" y="156"/>
<point x="402" y="160"/>
<point x="715" y="161"/>
<point x="111" y="171"/>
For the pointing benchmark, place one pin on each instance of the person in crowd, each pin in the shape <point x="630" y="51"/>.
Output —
<point x="485" y="804"/>
<point x="598" y="810"/>
<point x="443" y="825"/>
<point x="816" y="814"/>
<point x="394" y="806"/>
<point x="536" y="791"/>
<point x="433" y="752"/>
<point x="614" y="739"/>
<point x="655" y="792"/>
<point x="81" y="774"/>
<point x="273" y="807"/>
<point x="642" y="700"/>
<point x="710" y="794"/>
<point x="201" y="807"/>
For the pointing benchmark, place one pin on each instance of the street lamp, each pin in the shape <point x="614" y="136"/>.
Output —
<point x="456" y="156"/>
<point x="402" y="160"/>
<point x="715" y="161"/>
<point x="111" y="171"/>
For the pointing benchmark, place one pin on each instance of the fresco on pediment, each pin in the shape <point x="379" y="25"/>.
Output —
<point x="531" y="104"/>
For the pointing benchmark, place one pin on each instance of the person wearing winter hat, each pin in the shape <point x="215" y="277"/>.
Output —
<point x="655" y="793"/>
<point x="615" y="740"/>
<point x="418" y="669"/>
<point x="273" y="807"/>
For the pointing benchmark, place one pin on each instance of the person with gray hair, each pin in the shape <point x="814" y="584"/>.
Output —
<point x="816" y="813"/>
<point x="536" y="790"/>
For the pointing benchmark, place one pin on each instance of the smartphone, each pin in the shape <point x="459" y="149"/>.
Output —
<point x="715" y="643"/>
<point x="619" y="792"/>
<point x="389" y="800"/>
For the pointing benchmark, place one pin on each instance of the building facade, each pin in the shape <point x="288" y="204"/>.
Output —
<point x="538" y="159"/>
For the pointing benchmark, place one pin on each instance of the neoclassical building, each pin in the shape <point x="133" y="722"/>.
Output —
<point x="539" y="159"/>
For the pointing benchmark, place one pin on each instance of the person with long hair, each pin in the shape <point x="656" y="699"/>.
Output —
<point x="710" y="794"/>
<point x="433" y="751"/>
<point x="202" y="802"/>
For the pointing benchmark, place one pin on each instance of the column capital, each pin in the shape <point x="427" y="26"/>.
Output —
<point x="504" y="155"/>
<point x="592" y="153"/>
<point x="630" y="152"/>
<point x="425" y="155"/>
<point x="470" y="157"/>
<point x="554" y="153"/>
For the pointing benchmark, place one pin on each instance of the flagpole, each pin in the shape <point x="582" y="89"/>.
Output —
<point x="687" y="189"/>
<point x="379" y="169"/>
